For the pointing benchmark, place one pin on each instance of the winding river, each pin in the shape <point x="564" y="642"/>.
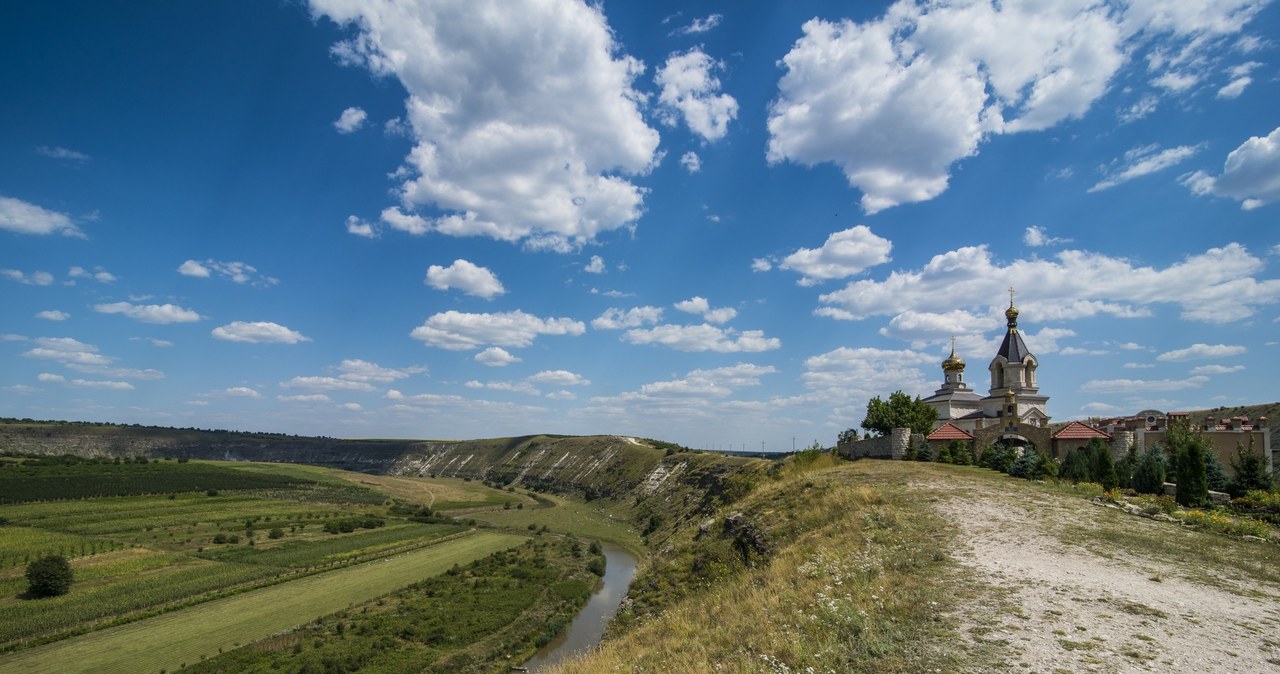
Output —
<point x="588" y="626"/>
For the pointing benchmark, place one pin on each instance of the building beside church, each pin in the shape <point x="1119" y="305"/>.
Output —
<point x="1013" y="402"/>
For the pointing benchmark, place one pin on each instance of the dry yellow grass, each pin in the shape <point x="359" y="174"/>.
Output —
<point x="431" y="491"/>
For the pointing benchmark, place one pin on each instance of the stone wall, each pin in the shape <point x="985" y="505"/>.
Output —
<point x="892" y="446"/>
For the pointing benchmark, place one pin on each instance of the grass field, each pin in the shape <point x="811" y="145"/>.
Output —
<point x="437" y="493"/>
<point x="584" y="520"/>
<point x="167" y="642"/>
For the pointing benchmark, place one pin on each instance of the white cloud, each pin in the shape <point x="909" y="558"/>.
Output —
<point x="700" y="25"/>
<point x="761" y="264"/>
<point x="1142" y="385"/>
<point x="561" y="395"/>
<point x="405" y="222"/>
<point x="1142" y="108"/>
<point x="240" y="392"/>
<point x="109" y="385"/>
<point x="10" y="337"/>
<point x="50" y="378"/>
<point x="856" y="374"/>
<point x="98" y="274"/>
<point x="496" y="357"/>
<point x="39" y="278"/>
<point x="351" y="120"/>
<point x="1251" y="174"/>
<point x="326" y="384"/>
<point x="676" y="395"/>
<point x="24" y="218"/>
<point x="896" y="101"/>
<point x="63" y="153"/>
<point x="239" y="272"/>
<point x="68" y="351"/>
<point x="1239" y="80"/>
<point x="691" y="162"/>
<point x="357" y="370"/>
<point x="306" y="398"/>
<point x="467" y="277"/>
<point x="1036" y="237"/>
<point x="922" y="327"/>
<point x="845" y="253"/>
<point x="53" y="315"/>
<point x="1131" y="346"/>
<point x="1139" y="366"/>
<point x="159" y="314"/>
<point x="354" y="407"/>
<point x="558" y="378"/>
<point x="596" y="266"/>
<point x="703" y="337"/>
<point x="524" y="115"/>
<point x="1141" y="161"/>
<point x="1202" y="351"/>
<point x="618" y="319"/>
<point x="689" y="91"/>
<point x="161" y="343"/>
<point x="258" y="332"/>
<point x="1216" y="286"/>
<point x="1076" y="351"/>
<point x="512" y="386"/>
<point x="700" y="306"/>
<point x="1216" y="369"/>
<point x="458" y="331"/>
<point x="360" y="228"/>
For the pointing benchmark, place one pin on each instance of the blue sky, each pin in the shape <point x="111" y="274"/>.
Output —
<point x="721" y="224"/>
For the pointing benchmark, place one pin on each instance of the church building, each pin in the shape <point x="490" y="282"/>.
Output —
<point x="1013" y="400"/>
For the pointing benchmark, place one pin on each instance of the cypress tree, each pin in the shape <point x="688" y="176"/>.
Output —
<point x="1075" y="466"/>
<point x="1101" y="469"/>
<point x="1148" y="474"/>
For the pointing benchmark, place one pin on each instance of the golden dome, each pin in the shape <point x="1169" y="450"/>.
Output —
<point x="1011" y="313"/>
<point x="953" y="362"/>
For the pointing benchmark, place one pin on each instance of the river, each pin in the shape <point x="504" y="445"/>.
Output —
<point x="588" y="626"/>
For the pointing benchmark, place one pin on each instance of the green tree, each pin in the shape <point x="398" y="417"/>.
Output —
<point x="1250" y="470"/>
<point x="1214" y="475"/>
<point x="900" y="411"/>
<point x="49" y="576"/>
<point x="999" y="457"/>
<point x="1101" y="468"/>
<point x="961" y="453"/>
<point x="924" y="452"/>
<point x="1075" y="466"/>
<point x="1188" y="448"/>
<point x="944" y="454"/>
<point x="1125" y="466"/>
<point x="1033" y="465"/>
<point x="1149" y="472"/>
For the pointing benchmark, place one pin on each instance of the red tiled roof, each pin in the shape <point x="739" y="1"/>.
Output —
<point x="949" y="431"/>
<point x="1078" y="431"/>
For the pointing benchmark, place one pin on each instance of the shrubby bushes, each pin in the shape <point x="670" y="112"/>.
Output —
<point x="49" y="577"/>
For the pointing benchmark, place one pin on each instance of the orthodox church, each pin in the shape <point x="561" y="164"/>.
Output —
<point x="1013" y="399"/>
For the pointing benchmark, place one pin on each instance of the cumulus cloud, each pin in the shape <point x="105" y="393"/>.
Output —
<point x="596" y="266"/>
<point x="240" y="392"/>
<point x="1037" y="236"/>
<point x="306" y="398"/>
<point x="689" y="92"/>
<point x="1141" y="161"/>
<point x="21" y="217"/>
<point x="496" y="357"/>
<point x="327" y="384"/>
<point x="98" y="274"/>
<point x="122" y="372"/>
<point x="458" y="331"/>
<point x="691" y="162"/>
<point x="1216" y="369"/>
<point x="238" y="272"/>
<point x="524" y="116"/>
<point x="53" y="315"/>
<point x="1141" y="108"/>
<point x="62" y="153"/>
<point x="159" y="314"/>
<point x="856" y="374"/>
<point x="101" y="384"/>
<point x="1240" y="79"/>
<point x="703" y="337"/>
<point x="845" y="253"/>
<point x="1142" y="385"/>
<point x="897" y="100"/>
<point x="258" y="332"/>
<point x="701" y="307"/>
<point x="67" y="350"/>
<point x="359" y="227"/>
<point x="761" y="264"/>
<point x="618" y="319"/>
<point x="558" y="378"/>
<point x="700" y="25"/>
<point x="512" y="386"/>
<point x="39" y="278"/>
<point x="1201" y="352"/>
<point x="467" y="277"/>
<point x="358" y="370"/>
<point x="350" y="120"/>
<point x="1216" y="286"/>
<point x="1251" y="174"/>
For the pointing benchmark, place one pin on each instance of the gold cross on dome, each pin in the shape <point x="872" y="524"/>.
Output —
<point x="1010" y="295"/>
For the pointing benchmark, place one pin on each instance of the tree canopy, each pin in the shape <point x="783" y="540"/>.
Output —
<point x="900" y="411"/>
<point x="49" y="576"/>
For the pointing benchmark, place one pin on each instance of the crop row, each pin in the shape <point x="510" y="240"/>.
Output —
<point x="23" y="483"/>
<point x="19" y="545"/>
<point x="29" y="619"/>
<point x="299" y="554"/>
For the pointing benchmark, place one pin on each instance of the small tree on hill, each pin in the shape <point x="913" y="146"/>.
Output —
<point x="49" y="577"/>
<point x="1125" y="466"/>
<point x="1188" y="448"/>
<point x="1101" y="469"/>
<point x="1214" y="475"/>
<point x="924" y="452"/>
<point x="999" y="457"/>
<point x="1075" y="466"/>
<point x="1250" y="471"/>
<point x="1148" y="474"/>
<point x="944" y="454"/>
<point x="900" y="411"/>
<point x="1033" y="465"/>
<point x="961" y="453"/>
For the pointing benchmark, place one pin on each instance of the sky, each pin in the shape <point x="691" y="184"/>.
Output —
<point x="722" y="224"/>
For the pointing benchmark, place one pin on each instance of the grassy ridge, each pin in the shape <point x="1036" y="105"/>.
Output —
<point x="184" y="637"/>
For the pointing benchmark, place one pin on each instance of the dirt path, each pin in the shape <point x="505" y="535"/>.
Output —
<point x="1074" y="587"/>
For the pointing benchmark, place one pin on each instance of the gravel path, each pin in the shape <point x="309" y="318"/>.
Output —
<point x="1065" y="596"/>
